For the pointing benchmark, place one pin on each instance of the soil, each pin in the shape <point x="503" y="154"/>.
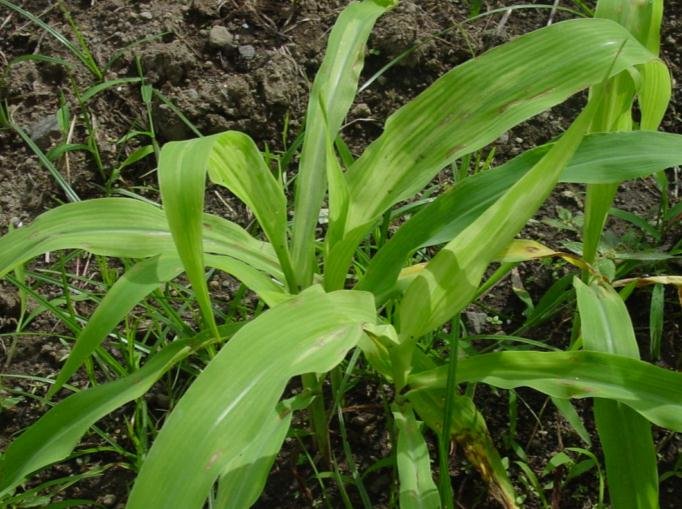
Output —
<point x="248" y="65"/>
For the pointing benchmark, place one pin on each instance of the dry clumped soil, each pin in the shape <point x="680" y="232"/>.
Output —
<point x="248" y="65"/>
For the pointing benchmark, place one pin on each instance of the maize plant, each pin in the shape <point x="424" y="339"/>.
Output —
<point x="225" y="433"/>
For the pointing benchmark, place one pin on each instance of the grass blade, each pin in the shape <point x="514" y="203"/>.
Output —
<point x="83" y="56"/>
<point x="417" y="489"/>
<point x="656" y="310"/>
<point x="468" y="429"/>
<point x="654" y="392"/>
<point x="631" y="469"/>
<point x="119" y="227"/>
<point x="125" y="228"/>
<point x="332" y="94"/>
<point x="312" y="332"/>
<point x="182" y="182"/>
<point x="601" y="158"/>
<point x="56" y="434"/>
<point x="236" y="164"/>
<point x="450" y="280"/>
<point x="124" y="295"/>
<point x="456" y="116"/>
<point x="247" y="474"/>
<point x="428" y="133"/>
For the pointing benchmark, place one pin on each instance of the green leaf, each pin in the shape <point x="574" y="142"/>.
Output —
<point x="654" y="94"/>
<point x="417" y="489"/>
<point x="119" y="227"/>
<point x="236" y="164"/>
<point x="568" y="412"/>
<point x="232" y="160"/>
<point x="456" y="115"/>
<point x="656" y="316"/>
<point x="227" y="405"/>
<point x="631" y="469"/>
<point x="468" y="429"/>
<point x="182" y="181"/>
<point x="654" y="392"/>
<point x="605" y="321"/>
<point x="450" y="280"/>
<point x="125" y="228"/>
<point x="601" y="158"/>
<point x="247" y="473"/>
<point x="332" y="94"/>
<point x="642" y="19"/>
<point x="123" y="296"/>
<point x="56" y="434"/>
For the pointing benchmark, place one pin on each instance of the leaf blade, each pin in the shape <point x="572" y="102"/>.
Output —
<point x="654" y="392"/>
<point x="309" y="333"/>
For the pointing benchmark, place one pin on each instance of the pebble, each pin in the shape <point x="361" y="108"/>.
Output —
<point x="146" y="15"/>
<point x="44" y="131"/>
<point x="220" y="37"/>
<point x="362" y="110"/>
<point x="108" y="500"/>
<point x="247" y="52"/>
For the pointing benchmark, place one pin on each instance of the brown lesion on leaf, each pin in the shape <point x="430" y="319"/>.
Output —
<point x="507" y="106"/>
<point x="213" y="459"/>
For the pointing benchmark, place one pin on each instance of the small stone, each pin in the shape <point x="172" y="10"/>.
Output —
<point x="247" y="52"/>
<point x="146" y="15"/>
<point x="476" y="320"/>
<point x="518" y="140"/>
<point x="220" y="38"/>
<point x="205" y="7"/>
<point x="361" y="110"/>
<point x="45" y="131"/>
<point x="108" y="500"/>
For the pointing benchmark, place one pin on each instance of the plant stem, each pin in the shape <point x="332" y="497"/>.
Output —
<point x="446" y="494"/>
<point x="318" y="416"/>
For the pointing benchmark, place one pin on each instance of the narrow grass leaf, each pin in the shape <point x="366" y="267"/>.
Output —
<point x="417" y="489"/>
<point x="231" y="159"/>
<point x="600" y="158"/>
<point x="450" y="280"/>
<point x="643" y="19"/>
<point x="119" y="227"/>
<point x="654" y="94"/>
<point x="56" y="434"/>
<point x="126" y="228"/>
<point x="468" y="429"/>
<point x="247" y="475"/>
<point x="456" y="115"/>
<point x="124" y="295"/>
<point x="656" y="313"/>
<point x="101" y="87"/>
<point x="654" y="392"/>
<point x="312" y="332"/>
<point x="568" y="412"/>
<point x="236" y="163"/>
<point x="625" y="435"/>
<point x="331" y="96"/>
<point x="83" y="56"/>
<point x="182" y="182"/>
